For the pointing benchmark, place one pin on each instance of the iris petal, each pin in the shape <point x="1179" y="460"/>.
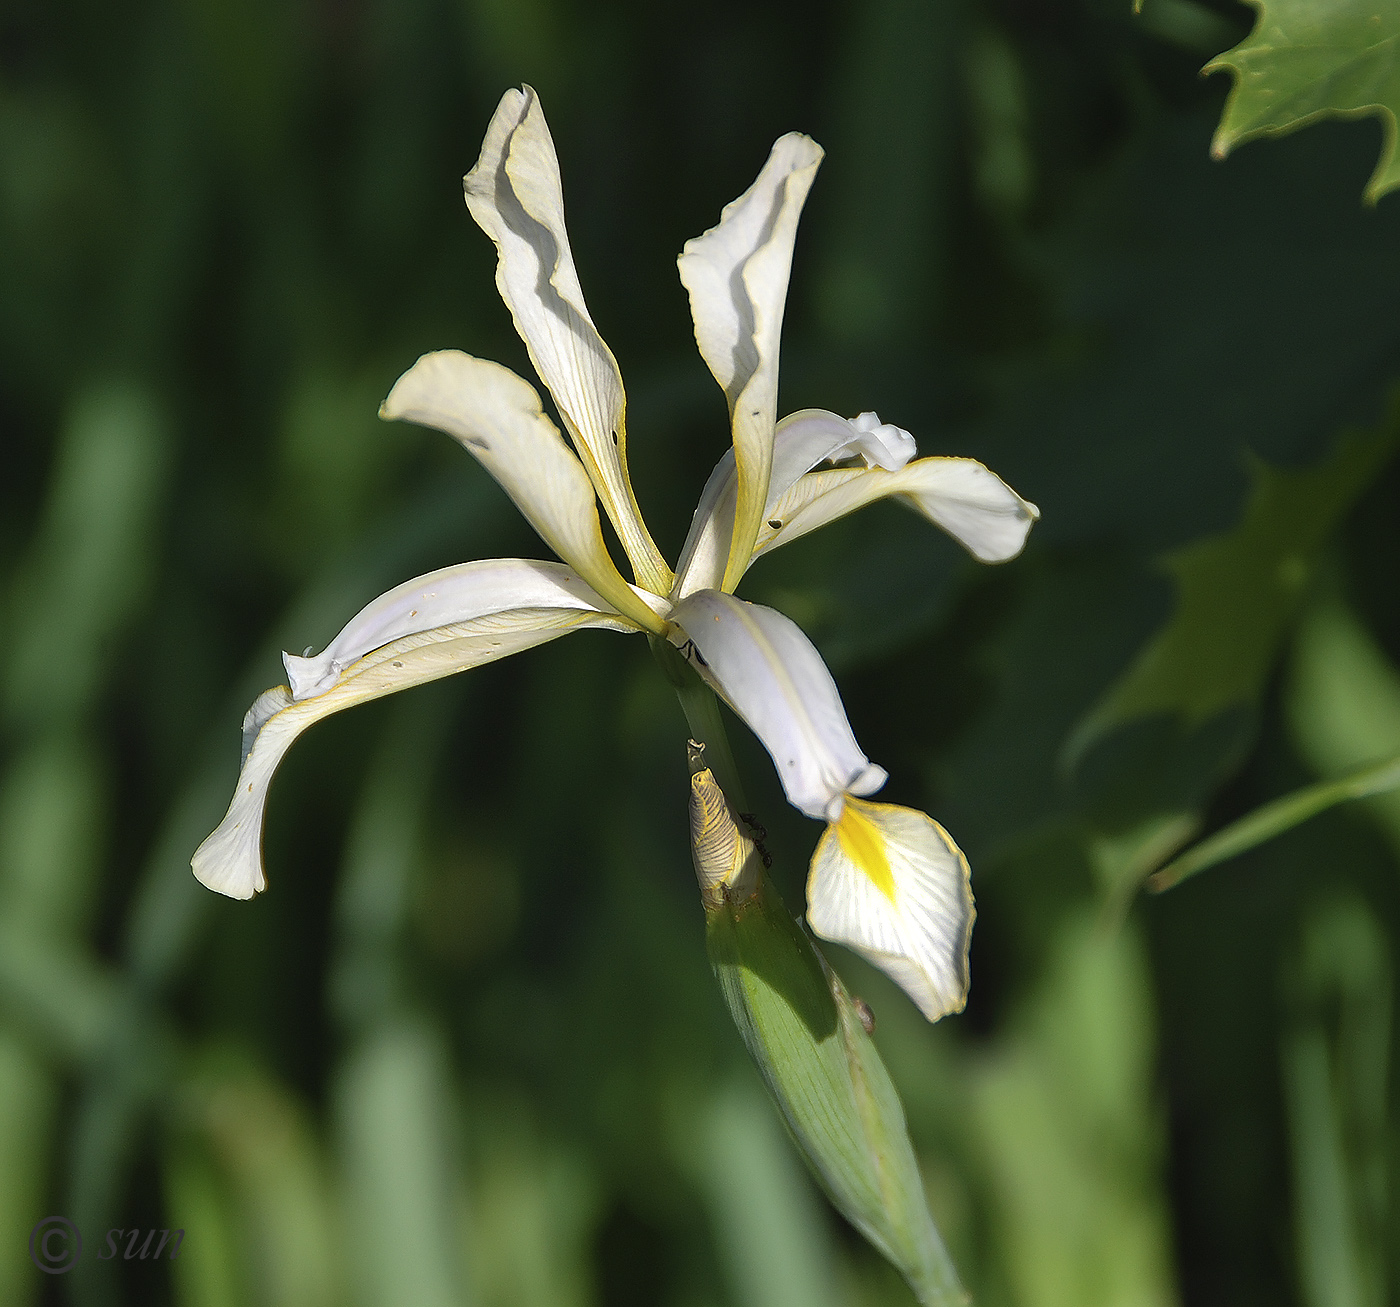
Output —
<point x="497" y="417"/>
<point x="516" y="196"/>
<point x="230" y="860"/>
<point x="889" y="883"/>
<point x="737" y="276"/>
<point x="769" y="673"/>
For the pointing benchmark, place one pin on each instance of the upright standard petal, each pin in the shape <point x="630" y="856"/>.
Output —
<point x="517" y="199"/>
<point x="230" y="860"/>
<point x="890" y="883"/>
<point x="737" y="276"/>
<point x="969" y="501"/>
<point x="801" y="441"/>
<point x="498" y="418"/>
<point x="769" y="673"/>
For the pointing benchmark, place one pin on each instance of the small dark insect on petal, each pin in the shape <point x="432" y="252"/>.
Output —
<point x="863" y="1011"/>
<point x="775" y="523"/>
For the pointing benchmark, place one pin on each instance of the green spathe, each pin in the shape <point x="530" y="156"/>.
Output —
<point x="825" y="1074"/>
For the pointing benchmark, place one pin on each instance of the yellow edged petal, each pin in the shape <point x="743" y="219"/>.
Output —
<point x="889" y="883"/>
<point x="516" y="196"/>
<point x="969" y="501"/>
<point x="737" y="276"/>
<point x="497" y="417"/>
<point x="230" y="860"/>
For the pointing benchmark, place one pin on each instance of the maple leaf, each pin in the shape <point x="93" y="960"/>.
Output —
<point x="1307" y="60"/>
<point x="1237" y="593"/>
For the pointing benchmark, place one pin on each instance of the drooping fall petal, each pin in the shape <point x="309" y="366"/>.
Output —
<point x="889" y="883"/>
<point x="441" y="599"/>
<point x="516" y="196"/>
<point x="230" y="860"/>
<point x="769" y="673"/>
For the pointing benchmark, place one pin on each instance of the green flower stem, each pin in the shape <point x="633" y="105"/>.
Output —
<point x="810" y="1043"/>
<point x="702" y="715"/>
<point x="1273" y="818"/>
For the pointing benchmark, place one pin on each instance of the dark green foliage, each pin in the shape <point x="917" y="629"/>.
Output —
<point x="468" y="1047"/>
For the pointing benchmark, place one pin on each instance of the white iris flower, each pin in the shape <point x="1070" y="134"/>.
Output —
<point x="886" y="881"/>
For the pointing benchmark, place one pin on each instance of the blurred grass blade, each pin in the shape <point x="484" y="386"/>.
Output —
<point x="770" y="1231"/>
<point x="206" y="1271"/>
<point x="28" y="1104"/>
<point x="1335" y="1063"/>
<point x="261" y="1139"/>
<point x="1328" y="1259"/>
<point x="396" y="1155"/>
<point x="829" y="1083"/>
<point x="1070" y="1136"/>
<point x="535" y="1205"/>
<point x="89" y="565"/>
<point x="1273" y="819"/>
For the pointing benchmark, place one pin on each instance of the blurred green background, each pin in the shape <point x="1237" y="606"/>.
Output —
<point x="467" y="1049"/>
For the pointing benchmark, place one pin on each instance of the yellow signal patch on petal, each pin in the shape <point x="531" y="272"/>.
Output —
<point x="864" y="845"/>
<point x="889" y="882"/>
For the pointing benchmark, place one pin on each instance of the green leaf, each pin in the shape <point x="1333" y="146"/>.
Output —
<point x="1304" y="61"/>
<point x="806" y="1036"/>
<point x="1343" y="702"/>
<point x="1237" y="594"/>
<point x="1274" y="818"/>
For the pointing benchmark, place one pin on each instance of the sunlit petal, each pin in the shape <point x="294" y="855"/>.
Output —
<point x="737" y="276"/>
<point x="970" y="502"/>
<point x="770" y="674"/>
<point x="890" y="883"/>
<point x="802" y="440"/>
<point x="230" y="860"/>
<point x="497" y="417"/>
<point x="516" y="197"/>
<point x="441" y="599"/>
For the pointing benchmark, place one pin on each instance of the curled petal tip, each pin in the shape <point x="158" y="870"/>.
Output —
<point x="883" y="444"/>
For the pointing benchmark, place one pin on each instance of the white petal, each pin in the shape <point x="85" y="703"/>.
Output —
<point x="737" y="276"/>
<point x="770" y="674"/>
<point x="891" y="884"/>
<point x="802" y="440"/>
<point x="498" y="418"/>
<point x="971" y="503"/>
<point x="443" y="598"/>
<point x="230" y="860"/>
<point x="883" y="444"/>
<point x="517" y="199"/>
